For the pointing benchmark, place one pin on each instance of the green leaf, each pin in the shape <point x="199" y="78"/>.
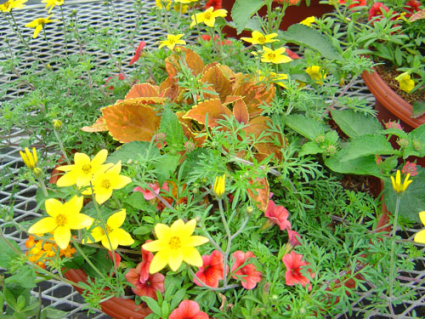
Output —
<point x="24" y="277"/>
<point x="366" y="145"/>
<point x="133" y="151"/>
<point x="192" y="160"/>
<point x="166" y="166"/>
<point x="142" y="230"/>
<point x="418" y="109"/>
<point x="243" y="10"/>
<point x="7" y="253"/>
<point x="311" y="38"/>
<point x="153" y="305"/>
<point x="307" y="127"/>
<point x="311" y="148"/>
<point x="138" y="201"/>
<point x="178" y="297"/>
<point x="358" y="166"/>
<point x="418" y="137"/>
<point x="172" y="128"/>
<point x="355" y="124"/>
<point x="52" y="313"/>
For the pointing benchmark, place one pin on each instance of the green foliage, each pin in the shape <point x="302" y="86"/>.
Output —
<point x="243" y="10"/>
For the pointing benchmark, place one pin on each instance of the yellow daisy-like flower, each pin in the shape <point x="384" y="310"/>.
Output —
<point x="161" y="4"/>
<point x="12" y="4"/>
<point x="275" y="56"/>
<point x="172" y="41"/>
<point x="52" y="4"/>
<point x="30" y="159"/>
<point x="63" y="218"/>
<point x="405" y="82"/>
<point x="316" y="73"/>
<point x="84" y="169"/>
<point x="182" y="8"/>
<point x="175" y="244"/>
<point x="220" y="185"/>
<point x="208" y="16"/>
<point x="105" y="183"/>
<point x="308" y="21"/>
<point x="275" y="78"/>
<point x="39" y="24"/>
<point x="259" y="38"/>
<point x="398" y="186"/>
<point x="185" y="1"/>
<point x="420" y="236"/>
<point x="117" y="236"/>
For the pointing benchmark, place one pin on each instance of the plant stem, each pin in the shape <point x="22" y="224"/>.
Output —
<point x="212" y="241"/>
<point x="64" y="31"/>
<point x="392" y="265"/>
<point x="161" y="199"/>
<point x="48" y="43"/>
<point x="16" y="28"/>
<point x="61" y="147"/>
<point x="86" y="258"/>
<point x="42" y="186"/>
<point x="229" y="240"/>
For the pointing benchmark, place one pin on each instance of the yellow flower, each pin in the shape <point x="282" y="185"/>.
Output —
<point x="208" y="16"/>
<point x="29" y="159"/>
<point x="308" y="21"/>
<point x="316" y="73"/>
<point x="12" y="4"/>
<point x="117" y="236"/>
<point x="220" y="185"/>
<point x="104" y="183"/>
<point x="39" y="24"/>
<point x="420" y="236"/>
<point x="175" y="244"/>
<point x="160" y="4"/>
<point x="185" y="1"/>
<point x="63" y="218"/>
<point x="397" y="185"/>
<point x="171" y="41"/>
<point x="405" y="82"/>
<point x="182" y="8"/>
<point x="259" y="38"/>
<point x="275" y="78"/>
<point x="52" y="4"/>
<point x="275" y="56"/>
<point x="82" y="172"/>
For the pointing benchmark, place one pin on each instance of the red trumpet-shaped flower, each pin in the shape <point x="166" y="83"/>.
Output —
<point x="211" y="271"/>
<point x="294" y="263"/>
<point x="248" y="274"/>
<point x="147" y="194"/>
<point x="188" y="309"/>
<point x="216" y="4"/>
<point x="278" y="215"/>
<point x="138" y="52"/>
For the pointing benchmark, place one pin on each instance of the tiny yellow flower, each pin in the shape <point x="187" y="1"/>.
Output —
<point x="160" y="4"/>
<point x="57" y="124"/>
<point x="208" y="16"/>
<point x="308" y="21"/>
<point x="30" y="159"/>
<point x="117" y="236"/>
<point x="172" y="41"/>
<point x="83" y="170"/>
<point x="185" y="1"/>
<point x="39" y="24"/>
<point x="275" y="56"/>
<point x="174" y="245"/>
<point x="275" y="78"/>
<point x="182" y="8"/>
<point x="397" y="185"/>
<point x="12" y="4"/>
<point x="316" y="73"/>
<point x="405" y="82"/>
<point x="259" y="38"/>
<point x="420" y="236"/>
<point x="63" y="218"/>
<point x="104" y="183"/>
<point x="52" y="4"/>
<point x="220" y="185"/>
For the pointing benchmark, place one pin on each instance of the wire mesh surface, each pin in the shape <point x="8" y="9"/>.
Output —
<point x="21" y="196"/>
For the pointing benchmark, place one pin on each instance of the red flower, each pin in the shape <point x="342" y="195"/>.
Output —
<point x="293" y="237"/>
<point x="278" y="215"/>
<point x="145" y="283"/>
<point x="411" y="6"/>
<point x="117" y="258"/>
<point x="188" y="309"/>
<point x="293" y="263"/>
<point x="211" y="271"/>
<point x="120" y="77"/>
<point x="147" y="194"/>
<point x="206" y="37"/>
<point x="216" y="4"/>
<point x="393" y="124"/>
<point x="138" y="52"/>
<point x="292" y="54"/>
<point x="248" y="273"/>
<point x="375" y="11"/>
<point x="410" y="168"/>
<point x="354" y="3"/>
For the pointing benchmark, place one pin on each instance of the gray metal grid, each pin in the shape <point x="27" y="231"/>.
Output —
<point x="57" y="294"/>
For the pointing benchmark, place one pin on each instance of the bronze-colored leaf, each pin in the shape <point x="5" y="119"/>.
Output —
<point x="218" y="81"/>
<point x="261" y="194"/>
<point x="98" y="126"/>
<point x="213" y="108"/>
<point x="142" y="90"/>
<point x="418" y="15"/>
<point x="254" y="95"/>
<point x="240" y="112"/>
<point x="130" y="121"/>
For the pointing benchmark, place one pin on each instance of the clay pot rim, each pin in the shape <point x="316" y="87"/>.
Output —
<point x="390" y="99"/>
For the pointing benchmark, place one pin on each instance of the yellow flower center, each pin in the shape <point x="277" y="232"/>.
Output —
<point x="171" y="41"/>
<point x="6" y="4"/>
<point x="175" y="243"/>
<point x="41" y="21"/>
<point x="271" y="56"/>
<point x="262" y="39"/>
<point x="108" y="229"/>
<point x="86" y="168"/>
<point x="207" y="15"/>
<point x="106" y="183"/>
<point x="61" y="220"/>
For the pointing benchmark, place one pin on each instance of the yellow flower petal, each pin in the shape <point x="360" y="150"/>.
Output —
<point x="53" y="207"/>
<point x="74" y="205"/>
<point x="420" y="237"/>
<point x="192" y="256"/>
<point x="159" y="261"/>
<point x="68" y="179"/>
<point x="102" y="197"/>
<point x="175" y="259"/>
<point x="45" y="225"/>
<point x="422" y="217"/>
<point x="62" y="236"/>
<point x="154" y="246"/>
<point x="122" y="181"/>
<point x="196" y="241"/>
<point x="113" y="240"/>
<point x="116" y="220"/>
<point x="161" y="230"/>
<point x="124" y="238"/>
<point x="80" y="221"/>
<point x="97" y="233"/>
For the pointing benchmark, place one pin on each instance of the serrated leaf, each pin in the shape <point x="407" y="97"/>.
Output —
<point x="25" y="277"/>
<point x="172" y="128"/>
<point x="311" y="148"/>
<point x="418" y="109"/>
<point x="142" y="90"/>
<point x="307" y="127"/>
<point x="311" y="38"/>
<point x="418" y="136"/>
<point x="366" y="145"/>
<point x="166" y="166"/>
<point x="254" y="95"/>
<point x="355" y="124"/>
<point x="213" y="108"/>
<point x="242" y="12"/>
<point x="418" y="15"/>
<point x="98" y="126"/>
<point x="359" y="166"/>
<point x="7" y="253"/>
<point x="133" y="151"/>
<point x="219" y="82"/>
<point x="260" y="195"/>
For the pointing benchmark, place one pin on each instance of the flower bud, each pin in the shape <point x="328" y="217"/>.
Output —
<point x="57" y="124"/>
<point x="195" y="190"/>
<point x="48" y="67"/>
<point x="219" y="185"/>
<point x="249" y="210"/>
<point x="403" y="142"/>
<point x="160" y="138"/>
<point x="320" y="139"/>
<point x="129" y="161"/>
<point x="417" y="145"/>
<point x="331" y="150"/>
<point x="37" y="172"/>
<point x="189" y="146"/>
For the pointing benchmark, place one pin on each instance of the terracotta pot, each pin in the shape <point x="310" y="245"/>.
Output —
<point x="117" y="308"/>
<point x="389" y="104"/>
<point x="294" y="14"/>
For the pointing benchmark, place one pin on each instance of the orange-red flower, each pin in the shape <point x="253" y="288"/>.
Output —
<point x="120" y="77"/>
<point x="248" y="274"/>
<point x="147" y="194"/>
<point x="293" y="237"/>
<point x="188" y="309"/>
<point x="354" y="3"/>
<point x="138" y="52"/>
<point x="294" y="263"/>
<point x="410" y="168"/>
<point x="211" y="271"/>
<point x="376" y="11"/>
<point x="216" y="4"/>
<point x="206" y="37"/>
<point x="278" y="215"/>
